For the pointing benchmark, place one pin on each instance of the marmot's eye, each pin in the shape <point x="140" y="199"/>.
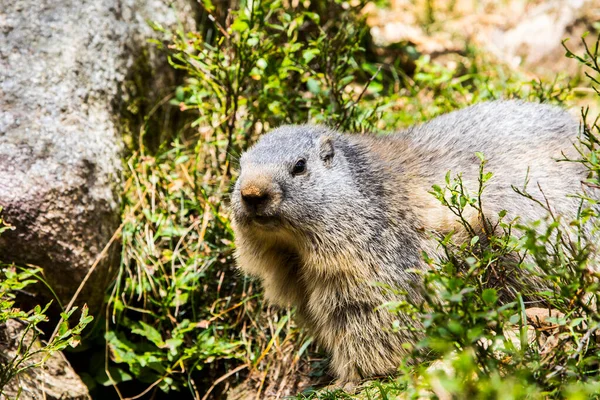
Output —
<point x="300" y="167"/>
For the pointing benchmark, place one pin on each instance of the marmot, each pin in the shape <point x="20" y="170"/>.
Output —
<point x="319" y="216"/>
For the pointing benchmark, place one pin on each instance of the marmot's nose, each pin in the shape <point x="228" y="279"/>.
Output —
<point x="255" y="197"/>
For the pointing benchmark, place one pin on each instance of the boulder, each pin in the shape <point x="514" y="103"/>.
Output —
<point x="63" y="65"/>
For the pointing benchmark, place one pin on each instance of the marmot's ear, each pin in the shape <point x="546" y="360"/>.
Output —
<point x="326" y="149"/>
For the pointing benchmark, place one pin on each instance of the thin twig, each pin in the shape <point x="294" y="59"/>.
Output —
<point x="221" y="379"/>
<point x="137" y="396"/>
<point x="355" y="102"/>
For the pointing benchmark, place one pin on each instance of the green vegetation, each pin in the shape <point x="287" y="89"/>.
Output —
<point x="182" y="321"/>
<point x="181" y="318"/>
<point x="29" y="354"/>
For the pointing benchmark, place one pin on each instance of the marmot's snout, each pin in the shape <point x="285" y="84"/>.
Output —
<point x="255" y="198"/>
<point x="260" y="197"/>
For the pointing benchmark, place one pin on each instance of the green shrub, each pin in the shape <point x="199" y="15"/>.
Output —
<point x="28" y="355"/>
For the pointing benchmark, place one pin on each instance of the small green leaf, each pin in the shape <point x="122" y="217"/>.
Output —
<point x="262" y="63"/>
<point x="313" y="86"/>
<point x="208" y="5"/>
<point x="117" y="375"/>
<point x="149" y="333"/>
<point x="346" y="80"/>
<point x="309" y="54"/>
<point x="489" y="296"/>
<point x="239" y="25"/>
<point x="314" y="16"/>
<point x="63" y="328"/>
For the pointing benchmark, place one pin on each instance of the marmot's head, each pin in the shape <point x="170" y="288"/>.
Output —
<point x="289" y="179"/>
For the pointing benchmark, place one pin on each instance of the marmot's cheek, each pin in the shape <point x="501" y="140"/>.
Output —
<point x="241" y="224"/>
<point x="236" y="206"/>
<point x="238" y="215"/>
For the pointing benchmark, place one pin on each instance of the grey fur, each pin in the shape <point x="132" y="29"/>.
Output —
<point x="321" y="238"/>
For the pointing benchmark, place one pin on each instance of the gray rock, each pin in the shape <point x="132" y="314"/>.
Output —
<point x="540" y="32"/>
<point x="62" y="66"/>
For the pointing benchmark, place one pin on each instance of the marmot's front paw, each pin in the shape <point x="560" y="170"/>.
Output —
<point x="350" y="387"/>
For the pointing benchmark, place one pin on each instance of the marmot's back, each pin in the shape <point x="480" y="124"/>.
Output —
<point x="485" y="124"/>
<point x="518" y="139"/>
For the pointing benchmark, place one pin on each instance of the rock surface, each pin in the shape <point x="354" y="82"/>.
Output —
<point x="53" y="380"/>
<point x="538" y="35"/>
<point x="525" y="35"/>
<point x="62" y="68"/>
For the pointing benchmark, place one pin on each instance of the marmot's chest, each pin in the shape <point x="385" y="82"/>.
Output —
<point x="331" y="306"/>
